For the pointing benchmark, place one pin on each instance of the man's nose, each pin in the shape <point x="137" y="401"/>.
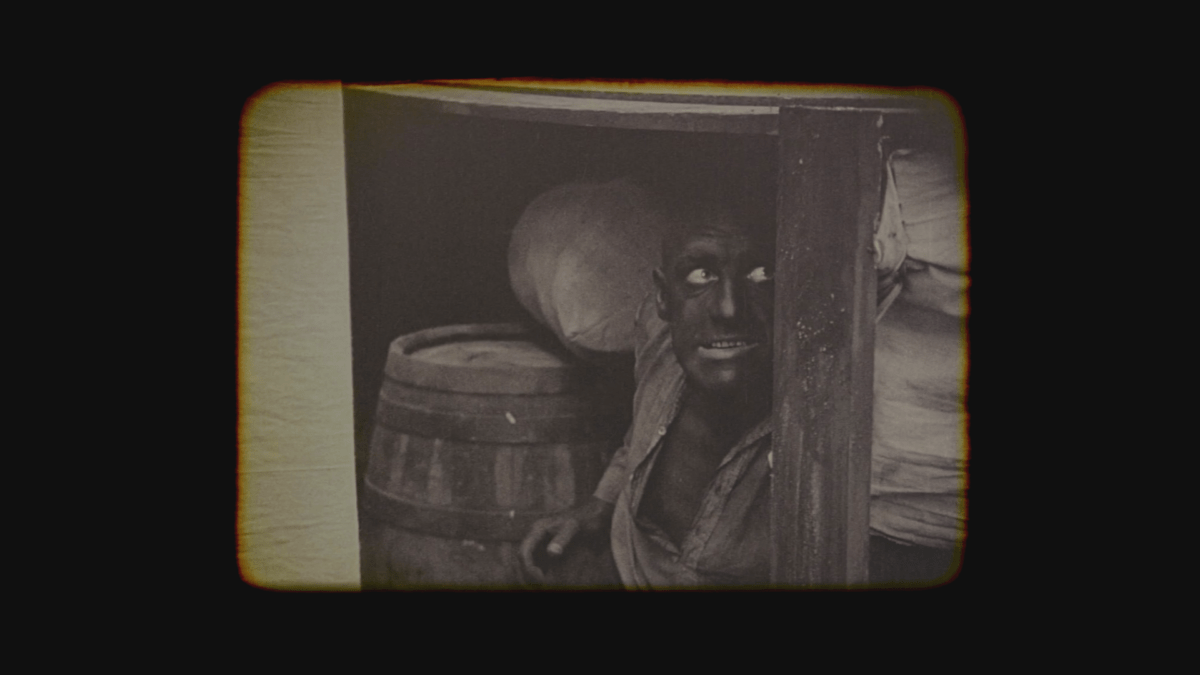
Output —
<point x="728" y="303"/>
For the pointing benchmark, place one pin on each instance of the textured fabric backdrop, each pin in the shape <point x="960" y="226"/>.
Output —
<point x="297" y="516"/>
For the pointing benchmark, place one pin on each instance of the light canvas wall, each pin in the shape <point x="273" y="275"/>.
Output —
<point x="297" y="518"/>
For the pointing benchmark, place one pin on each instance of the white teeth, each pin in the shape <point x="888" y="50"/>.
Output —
<point x="727" y="344"/>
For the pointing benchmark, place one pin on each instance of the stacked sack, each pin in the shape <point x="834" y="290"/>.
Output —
<point x="919" y="453"/>
<point x="580" y="261"/>
<point x="924" y="218"/>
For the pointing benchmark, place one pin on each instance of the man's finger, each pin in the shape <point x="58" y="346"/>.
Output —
<point x="536" y="534"/>
<point x="531" y="574"/>
<point x="564" y="537"/>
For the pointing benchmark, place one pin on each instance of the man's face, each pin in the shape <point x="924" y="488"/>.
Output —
<point x="716" y="289"/>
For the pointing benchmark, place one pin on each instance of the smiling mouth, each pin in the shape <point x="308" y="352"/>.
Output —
<point x="726" y="344"/>
<point x="726" y="349"/>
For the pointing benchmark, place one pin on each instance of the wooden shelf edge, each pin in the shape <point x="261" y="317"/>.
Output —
<point x="585" y="111"/>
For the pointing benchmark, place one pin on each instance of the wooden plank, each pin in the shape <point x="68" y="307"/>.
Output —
<point x="721" y="93"/>
<point x="622" y="114"/>
<point x="829" y="195"/>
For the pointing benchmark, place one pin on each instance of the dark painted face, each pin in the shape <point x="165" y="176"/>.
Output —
<point x="716" y="289"/>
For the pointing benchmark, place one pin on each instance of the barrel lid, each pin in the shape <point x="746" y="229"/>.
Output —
<point x="479" y="358"/>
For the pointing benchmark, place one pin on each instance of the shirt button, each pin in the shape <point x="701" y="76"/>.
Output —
<point x="662" y="431"/>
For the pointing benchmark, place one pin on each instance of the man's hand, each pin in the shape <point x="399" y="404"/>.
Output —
<point x="591" y="517"/>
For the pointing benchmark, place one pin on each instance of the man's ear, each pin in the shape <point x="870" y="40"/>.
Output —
<point x="660" y="294"/>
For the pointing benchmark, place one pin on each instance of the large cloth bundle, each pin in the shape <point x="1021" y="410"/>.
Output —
<point x="580" y="262"/>
<point x="923" y="230"/>
<point x="919" y="452"/>
<point x="918" y="455"/>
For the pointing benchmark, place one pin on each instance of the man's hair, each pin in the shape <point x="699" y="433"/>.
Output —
<point x="690" y="202"/>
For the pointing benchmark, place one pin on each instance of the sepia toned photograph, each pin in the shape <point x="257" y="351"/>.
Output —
<point x="592" y="335"/>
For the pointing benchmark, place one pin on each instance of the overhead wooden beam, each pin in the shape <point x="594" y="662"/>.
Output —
<point x="751" y="110"/>
<point x="829" y="197"/>
<point x="588" y="112"/>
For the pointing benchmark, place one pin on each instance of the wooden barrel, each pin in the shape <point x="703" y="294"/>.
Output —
<point x="480" y="430"/>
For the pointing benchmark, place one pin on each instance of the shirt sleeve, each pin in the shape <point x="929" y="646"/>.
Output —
<point x="650" y="340"/>
<point x="616" y="474"/>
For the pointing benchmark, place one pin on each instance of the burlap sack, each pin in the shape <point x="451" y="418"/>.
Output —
<point x="919" y="453"/>
<point x="580" y="261"/>
<point x="925" y="203"/>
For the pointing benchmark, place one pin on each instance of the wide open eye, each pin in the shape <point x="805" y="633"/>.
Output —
<point x="700" y="277"/>
<point x="760" y="275"/>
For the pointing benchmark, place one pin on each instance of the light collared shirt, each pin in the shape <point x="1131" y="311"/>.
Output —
<point x="728" y="542"/>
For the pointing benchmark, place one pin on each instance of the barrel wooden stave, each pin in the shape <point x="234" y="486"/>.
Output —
<point x="480" y="481"/>
<point x="496" y="418"/>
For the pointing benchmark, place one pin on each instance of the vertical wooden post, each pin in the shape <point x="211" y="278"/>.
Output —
<point x="830" y="180"/>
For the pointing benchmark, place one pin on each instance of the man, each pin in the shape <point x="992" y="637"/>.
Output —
<point x="686" y="498"/>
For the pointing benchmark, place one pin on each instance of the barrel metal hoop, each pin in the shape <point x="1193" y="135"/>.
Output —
<point x="403" y="367"/>
<point x="448" y="522"/>
<point x="498" y="429"/>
